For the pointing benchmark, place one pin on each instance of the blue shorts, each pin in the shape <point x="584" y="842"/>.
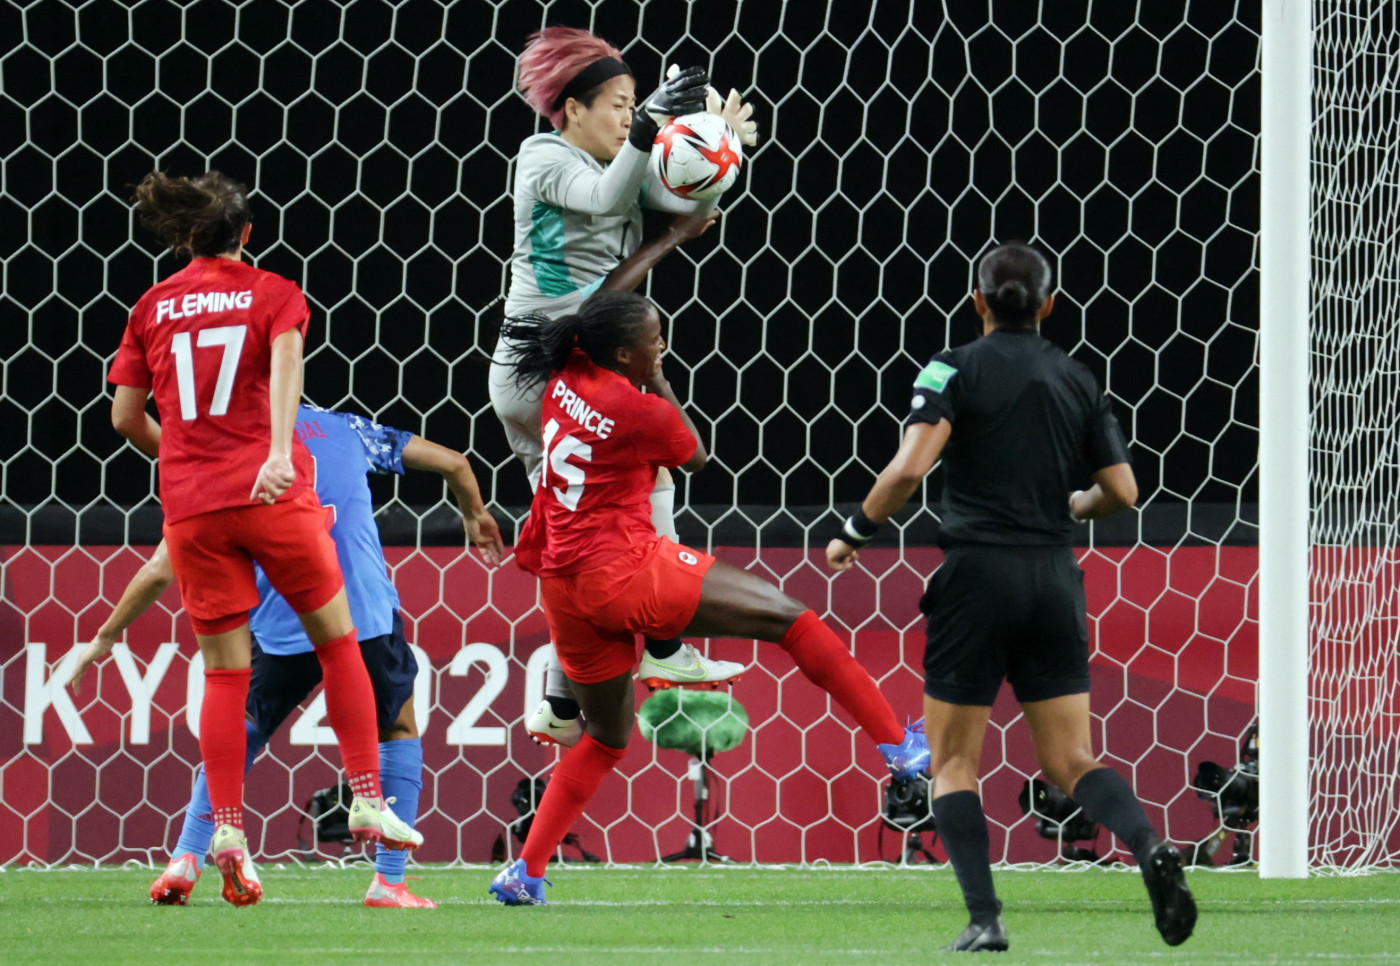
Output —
<point x="281" y="682"/>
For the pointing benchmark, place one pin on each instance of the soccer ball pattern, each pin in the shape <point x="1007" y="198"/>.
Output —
<point x="697" y="156"/>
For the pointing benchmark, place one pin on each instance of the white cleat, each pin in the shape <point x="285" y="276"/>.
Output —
<point x="546" y="729"/>
<point x="687" y="668"/>
<point x="370" y="824"/>
<point x="235" y="861"/>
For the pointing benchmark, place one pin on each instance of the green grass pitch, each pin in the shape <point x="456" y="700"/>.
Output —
<point x="675" y="916"/>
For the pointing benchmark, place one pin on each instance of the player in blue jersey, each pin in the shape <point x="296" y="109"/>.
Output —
<point x="345" y="448"/>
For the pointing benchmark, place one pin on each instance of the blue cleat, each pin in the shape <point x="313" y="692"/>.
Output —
<point x="910" y="756"/>
<point x="515" y="887"/>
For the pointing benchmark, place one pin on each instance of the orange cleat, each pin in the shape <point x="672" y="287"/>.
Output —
<point x="173" y="886"/>
<point x="394" y="895"/>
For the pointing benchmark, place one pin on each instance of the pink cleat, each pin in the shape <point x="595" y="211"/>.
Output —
<point x="394" y="895"/>
<point x="173" y="886"/>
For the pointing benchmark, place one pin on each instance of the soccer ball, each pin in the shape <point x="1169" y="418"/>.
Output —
<point x="697" y="156"/>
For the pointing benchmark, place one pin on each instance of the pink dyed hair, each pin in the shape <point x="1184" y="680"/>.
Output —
<point x="553" y="57"/>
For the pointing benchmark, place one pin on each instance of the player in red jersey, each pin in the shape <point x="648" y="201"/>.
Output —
<point x="605" y="575"/>
<point x="219" y="346"/>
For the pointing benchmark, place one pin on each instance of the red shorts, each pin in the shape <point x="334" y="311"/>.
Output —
<point x="595" y="616"/>
<point x="212" y="555"/>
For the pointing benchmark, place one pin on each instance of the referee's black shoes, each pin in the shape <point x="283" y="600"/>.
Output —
<point x="1173" y="906"/>
<point x="983" y="937"/>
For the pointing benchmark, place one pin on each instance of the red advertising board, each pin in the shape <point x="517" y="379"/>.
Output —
<point x="104" y="776"/>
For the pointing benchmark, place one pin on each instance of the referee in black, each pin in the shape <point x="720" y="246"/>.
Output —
<point x="1012" y="416"/>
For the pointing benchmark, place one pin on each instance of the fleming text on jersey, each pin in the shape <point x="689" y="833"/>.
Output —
<point x="197" y="303"/>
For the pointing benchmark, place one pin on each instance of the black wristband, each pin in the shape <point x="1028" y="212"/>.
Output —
<point x="643" y="131"/>
<point x="859" y="529"/>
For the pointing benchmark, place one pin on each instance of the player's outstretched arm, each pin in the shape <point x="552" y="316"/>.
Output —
<point x="144" y="590"/>
<point x="130" y="419"/>
<point x="482" y="530"/>
<point x="918" y="452"/>
<point x="629" y="273"/>
<point x="283" y="395"/>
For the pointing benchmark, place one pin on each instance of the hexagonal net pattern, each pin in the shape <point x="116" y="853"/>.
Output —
<point x="901" y="140"/>
<point x="1354" y="690"/>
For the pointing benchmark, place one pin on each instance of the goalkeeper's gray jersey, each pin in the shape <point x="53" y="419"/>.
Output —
<point x="575" y="221"/>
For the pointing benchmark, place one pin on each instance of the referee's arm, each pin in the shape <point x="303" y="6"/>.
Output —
<point x="1115" y="488"/>
<point x="920" y="449"/>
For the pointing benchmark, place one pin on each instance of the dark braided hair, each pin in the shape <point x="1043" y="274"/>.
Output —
<point x="201" y="217"/>
<point x="1014" y="279"/>
<point x="605" y="322"/>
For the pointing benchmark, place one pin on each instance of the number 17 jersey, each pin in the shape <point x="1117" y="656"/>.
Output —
<point x="603" y="441"/>
<point x="201" y="341"/>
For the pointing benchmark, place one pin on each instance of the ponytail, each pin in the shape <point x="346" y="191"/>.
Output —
<point x="201" y="217"/>
<point x="606" y="321"/>
<point x="539" y="347"/>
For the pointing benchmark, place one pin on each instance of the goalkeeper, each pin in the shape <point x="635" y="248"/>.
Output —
<point x="579" y="193"/>
<point x="345" y="447"/>
<point x="1012" y="416"/>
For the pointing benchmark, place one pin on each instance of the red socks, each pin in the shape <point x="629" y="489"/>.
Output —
<point x="580" y="772"/>
<point x="350" y="710"/>
<point x="223" y="743"/>
<point x="827" y="663"/>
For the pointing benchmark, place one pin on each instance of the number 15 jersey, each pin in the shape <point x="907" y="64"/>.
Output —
<point x="603" y="441"/>
<point x="201" y="341"/>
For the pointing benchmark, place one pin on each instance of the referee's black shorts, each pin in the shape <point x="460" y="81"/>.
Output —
<point x="280" y="682"/>
<point x="1013" y="613"/>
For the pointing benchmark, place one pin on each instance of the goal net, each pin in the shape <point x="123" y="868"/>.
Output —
<point x="1354" y="700"/>
<point x="900" y="140"/>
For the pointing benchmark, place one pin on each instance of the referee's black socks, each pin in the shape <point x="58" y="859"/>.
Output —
<point x="1108" y="799"/>
<point x="963" y="829"/>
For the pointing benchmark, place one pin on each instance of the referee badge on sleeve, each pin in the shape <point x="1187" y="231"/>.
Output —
<point x="935" y="376"/>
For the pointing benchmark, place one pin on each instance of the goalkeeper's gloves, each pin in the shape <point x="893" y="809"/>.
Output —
<point x="735" y="113"/>
<point x="682" y="92"/>
<point x="643" y="131"/>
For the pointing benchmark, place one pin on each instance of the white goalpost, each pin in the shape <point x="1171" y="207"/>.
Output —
<point x="1284" y="256"/>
